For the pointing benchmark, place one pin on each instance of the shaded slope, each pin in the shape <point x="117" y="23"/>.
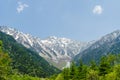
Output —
<point x="25" y="60"/>
<point x="108" y="44"/>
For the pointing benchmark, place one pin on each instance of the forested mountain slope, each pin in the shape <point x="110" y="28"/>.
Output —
<point x="25" y="60"/>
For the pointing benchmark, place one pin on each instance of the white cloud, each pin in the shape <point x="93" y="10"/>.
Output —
<point x="21" y="7"/>
<point x="98" y="9"/>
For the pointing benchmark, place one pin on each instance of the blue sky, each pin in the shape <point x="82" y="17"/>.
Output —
<point x="82" y="20"/>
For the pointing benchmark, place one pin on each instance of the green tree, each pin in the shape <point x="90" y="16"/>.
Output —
<point x="72" y="70"/>
<point x="92" y="71"/>
<point x="4" y="64"/>
<point x="104" y="67"/>
<point x="117" y="71"/>
<point x="111" y="59"/>
<point x="1" y="46"/>
<point x="60" y="77"/>
<point x="93" y="65"/>
<point x="66" y="73"/>
<point x="111" y="76"/>
<point x="81" y="71"/>
<point x="92" y="75"/>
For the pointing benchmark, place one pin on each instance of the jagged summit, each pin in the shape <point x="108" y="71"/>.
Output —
<point x="106" y="44"/>
<point x="112" y="35"/>
<point x="53" y="49"/>
<point x="61" y="51"/>
<point x="116" y="31"/>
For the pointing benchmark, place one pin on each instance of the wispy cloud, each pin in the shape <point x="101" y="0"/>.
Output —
<point x="21" y="7"/>
<point x="98" y="9"/>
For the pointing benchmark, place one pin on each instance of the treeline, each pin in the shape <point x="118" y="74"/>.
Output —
<point x="6" y="71"/>
<point x="107" y="69"/>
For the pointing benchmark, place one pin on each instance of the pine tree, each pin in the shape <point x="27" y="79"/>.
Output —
<point x="111" y="59"/>
<point x="92" y="75"/>
<point x="66" y="73"/>
<point x="104" y="67"/>
<point x="93" y="65"/>
<point x="82" y="70"/>
<point x="72" y="70"/>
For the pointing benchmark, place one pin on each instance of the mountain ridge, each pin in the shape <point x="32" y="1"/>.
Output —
<point x="61" y="51"/>
<point x="108" y="44"/>
<point x="55" y="50"/>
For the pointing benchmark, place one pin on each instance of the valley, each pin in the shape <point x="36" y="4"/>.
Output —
<point x="56" y="58"/>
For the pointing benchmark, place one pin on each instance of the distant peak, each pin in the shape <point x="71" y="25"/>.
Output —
<point x="8" y="28"/>
<point x="53" y="37"/>
<point x="111" y="36"/>
<point x="116" y="31"/>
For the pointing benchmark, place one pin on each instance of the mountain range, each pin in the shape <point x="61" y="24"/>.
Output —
<point x="61" y="51"/>
<point x="57" y="51"/>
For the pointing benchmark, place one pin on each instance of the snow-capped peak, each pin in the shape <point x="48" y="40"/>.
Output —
<point x="110" y="36"/>
<point x="52" y="48"/>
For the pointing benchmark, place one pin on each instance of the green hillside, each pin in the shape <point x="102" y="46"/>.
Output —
<point x="25" y="60"/>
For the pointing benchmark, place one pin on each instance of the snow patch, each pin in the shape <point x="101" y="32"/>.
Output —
<point x="67" y="65"/>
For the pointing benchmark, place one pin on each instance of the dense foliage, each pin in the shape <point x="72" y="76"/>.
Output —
<point x="25" y="60"/>
<point x="4" y="64"/>
<point x="107" y="69"/>
<point x="6" y="70"/>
